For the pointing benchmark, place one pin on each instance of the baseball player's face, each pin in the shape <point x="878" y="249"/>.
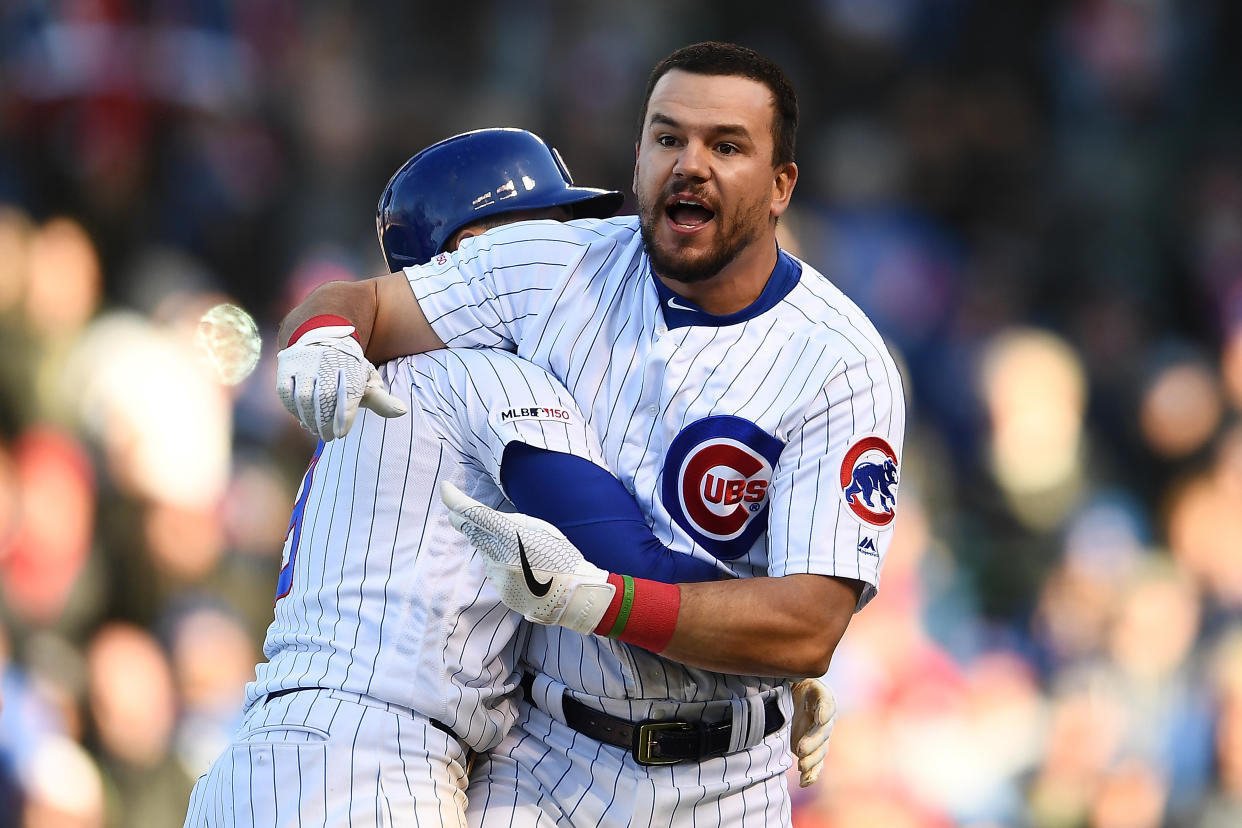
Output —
<point x="708" y="193"/>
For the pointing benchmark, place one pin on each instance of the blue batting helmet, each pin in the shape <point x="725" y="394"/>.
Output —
<point x="472" y="176"/>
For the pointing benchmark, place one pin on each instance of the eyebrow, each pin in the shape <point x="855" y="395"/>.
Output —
<point x="736" y="130"/>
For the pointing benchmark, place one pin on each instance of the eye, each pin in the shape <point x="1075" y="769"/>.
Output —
<point x="727" y="149"/>
<point x="666" y="141"/>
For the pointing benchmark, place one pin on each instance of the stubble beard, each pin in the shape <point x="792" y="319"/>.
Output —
<point x="671" y="264"/>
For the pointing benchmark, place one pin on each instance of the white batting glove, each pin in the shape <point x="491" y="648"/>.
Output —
<point x="536" y="570"/>
<point x="323" y="377"/>
<point x="815" y="714"/>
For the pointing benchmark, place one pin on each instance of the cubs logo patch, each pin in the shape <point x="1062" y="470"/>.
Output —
<point x="715" y="483"/>
<point x="869" y="479"/>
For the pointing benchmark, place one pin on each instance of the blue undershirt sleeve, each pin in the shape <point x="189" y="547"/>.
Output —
<point x="595" y="512"/>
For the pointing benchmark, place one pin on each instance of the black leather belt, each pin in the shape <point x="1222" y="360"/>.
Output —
<point x="655" y="741"/>
<point x="436" y="723"/>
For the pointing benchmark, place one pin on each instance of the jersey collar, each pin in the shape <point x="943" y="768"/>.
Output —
<point x="680" y="312"/>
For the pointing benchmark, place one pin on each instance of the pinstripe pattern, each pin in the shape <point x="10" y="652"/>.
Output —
<point x="389" y="607"/>
<point x="332" y="758"/>
<point x="563" y="778"/>
<point x="810" y="371"/>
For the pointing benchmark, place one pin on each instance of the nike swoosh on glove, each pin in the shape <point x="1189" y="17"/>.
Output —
<point x="536" y="570"/>
<point x="323" y="377"/>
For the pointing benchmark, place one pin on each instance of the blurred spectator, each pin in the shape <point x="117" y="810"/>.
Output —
<point x="133" y="711"/>
<point x="63" y="787"/>
<point x="48" y="551"/>
<point x="212" y="659"/>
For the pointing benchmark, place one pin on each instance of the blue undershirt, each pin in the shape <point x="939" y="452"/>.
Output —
<point x="595" y="512"/>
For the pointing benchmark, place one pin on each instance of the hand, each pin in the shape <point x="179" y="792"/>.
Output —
<point x="536" y="570"/>
<point x="323" y="377"/>
<point x="815" y="714"/>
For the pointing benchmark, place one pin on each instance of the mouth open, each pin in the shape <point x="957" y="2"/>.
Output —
<point x="688" y="213"/>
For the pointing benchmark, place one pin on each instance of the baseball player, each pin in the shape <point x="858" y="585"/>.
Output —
<point x="735" y="390"/>
<point x="378" y="683"/>
<point x="388" y="658"/>
<point x="418" y="214"/>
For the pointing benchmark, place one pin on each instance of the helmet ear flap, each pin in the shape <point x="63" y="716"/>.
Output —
<point x="390" y="243"/>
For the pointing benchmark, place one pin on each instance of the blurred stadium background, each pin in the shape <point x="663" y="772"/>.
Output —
<point x="1039" y="203"/>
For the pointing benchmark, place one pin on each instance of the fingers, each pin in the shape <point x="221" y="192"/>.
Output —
<point x="458" y="504"/>
<point x="808" y="777"/>
<point x="814" y="741"/>
<point x="340" y="412"/>
<point x="825" y="706"/>
<point x="304" y="405"/>
<point x="305" y="381"/>
<point x="285" y="387"/>
<point x="815" y="708"/>
<point x="815" y="697"/>
<point x="456" y="500"/>
<point x="377" y="397"/>
<point x="811" y="764"/>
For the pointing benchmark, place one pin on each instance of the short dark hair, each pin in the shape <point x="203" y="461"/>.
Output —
<point x="716" y="58"/>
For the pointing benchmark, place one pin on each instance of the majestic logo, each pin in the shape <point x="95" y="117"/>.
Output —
<point x="537" y="588"/>
<point x="869" y="480"/>
<point x="716" y="479"/>
<point x="867" y="547"/>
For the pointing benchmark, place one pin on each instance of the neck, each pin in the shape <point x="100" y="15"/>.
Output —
<point x="736" y="286"/>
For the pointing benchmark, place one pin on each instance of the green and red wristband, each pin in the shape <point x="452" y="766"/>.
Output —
<point x="642" y="612"/>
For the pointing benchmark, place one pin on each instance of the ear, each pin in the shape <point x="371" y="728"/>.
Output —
<point x="634" y="183"/>
<point x="461" y="235"/>
<point x="783" y="187"/>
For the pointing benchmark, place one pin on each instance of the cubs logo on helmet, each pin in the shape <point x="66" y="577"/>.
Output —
<point x="716" y="478"/>
<point x="869" y="478"/>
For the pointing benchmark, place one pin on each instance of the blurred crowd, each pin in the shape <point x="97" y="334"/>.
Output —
<point x="1039" y="204"/>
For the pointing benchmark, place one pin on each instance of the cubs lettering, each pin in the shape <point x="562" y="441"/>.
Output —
<point x="732" y="492"/>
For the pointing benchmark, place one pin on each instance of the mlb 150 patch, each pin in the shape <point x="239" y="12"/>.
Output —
<point x="536" y="412"/>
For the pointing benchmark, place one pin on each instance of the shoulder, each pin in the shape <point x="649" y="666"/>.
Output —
<point x="829" y="317"/>
<point x="577" y="233"/>
<point x="829" y="310"/>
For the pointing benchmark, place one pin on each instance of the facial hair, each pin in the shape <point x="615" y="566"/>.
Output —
<point x="669" y="264"/>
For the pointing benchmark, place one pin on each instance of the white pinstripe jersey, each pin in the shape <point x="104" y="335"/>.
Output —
<point x="378" y="594"/>
<point x="786" y="417"/>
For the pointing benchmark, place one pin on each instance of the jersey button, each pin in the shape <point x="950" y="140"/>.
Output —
<point x="653" y="410"/>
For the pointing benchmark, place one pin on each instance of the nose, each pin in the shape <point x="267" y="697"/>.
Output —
<point x="692" y="162"/>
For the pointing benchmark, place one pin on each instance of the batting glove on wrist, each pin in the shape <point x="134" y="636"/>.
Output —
<point x="322" y="378"/>
<point x="815" y="714"/>
<point x="536" y="570"/>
